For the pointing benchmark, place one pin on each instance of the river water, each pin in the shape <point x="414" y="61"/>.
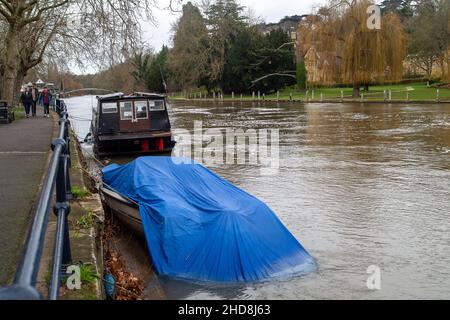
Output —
<point x="358" y="185"/>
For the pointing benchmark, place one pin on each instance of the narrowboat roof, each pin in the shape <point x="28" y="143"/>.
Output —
<point x="136" y="95"/>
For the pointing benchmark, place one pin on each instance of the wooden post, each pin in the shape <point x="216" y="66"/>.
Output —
<point x="278" y="95"/>
<point x="241" y="97"/>
<point x="253" y="95"/>
<point x="312" y="95"/>
<point x="342" y="95"/>
<point x="407" y="96"/>
<point x="390" y="95"/>
<point x="306" y="95"/>
<point x="437" y="95"/>
<point x="259" y="95"/>
<point x="214" y="95"/>
<point x="232" y="95"/>
<point x="264" y="96"/>
<point x="290" y="96"/>
<point x="321" y="97"/>
<point x="385" y="96"/>
<point x="362" y="97"/>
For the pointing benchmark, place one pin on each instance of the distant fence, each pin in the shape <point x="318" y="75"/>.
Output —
<point x="24" y="286"/>
<point x="408" y="94"/>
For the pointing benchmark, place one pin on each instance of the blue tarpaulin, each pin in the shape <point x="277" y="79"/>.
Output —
<point x="201" y="227"/>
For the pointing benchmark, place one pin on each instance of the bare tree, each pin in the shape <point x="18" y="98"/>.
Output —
<point x="18" y="14"/>
<point x="429" y="41"/>
<point x="33" y="44"/>
<point x="104" y="32"/>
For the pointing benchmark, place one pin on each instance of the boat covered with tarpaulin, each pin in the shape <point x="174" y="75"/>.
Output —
<point x="200" y="227"/>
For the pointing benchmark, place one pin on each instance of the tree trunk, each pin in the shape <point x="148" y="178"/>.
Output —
<point x="448" y="65"/>
<point x="356" y="90"/>
<point x="430" y="64"/>
<point x="11" y="64"/>
<point x="17" y="86"/>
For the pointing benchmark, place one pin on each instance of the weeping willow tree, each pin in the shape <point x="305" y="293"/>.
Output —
<point x="359" y="55"/>
<point x="319" y="30"/>
<point x="322" y="32"/>
<point x="372" y="55"/>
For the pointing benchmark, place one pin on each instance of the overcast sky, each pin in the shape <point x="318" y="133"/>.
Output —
<point x="159" y="33"/>
<point x="268" y="10"/>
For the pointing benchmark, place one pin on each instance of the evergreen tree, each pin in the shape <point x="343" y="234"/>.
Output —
<point x="238" y="72"/>
<point x="275" y="62"/>
<point x="141" y="63"/>
<point x="225" y="21"/>
<point x="302" y="75"/>
<point x="403" y="8"/>
<point x="188" y="59"/>
<point x="158" y="72"/>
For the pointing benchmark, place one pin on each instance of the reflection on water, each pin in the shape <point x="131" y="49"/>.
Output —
<point x="359" y="185"/>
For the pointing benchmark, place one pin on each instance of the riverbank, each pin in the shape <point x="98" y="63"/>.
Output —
<point x="86" y="221"/>
<point x="405" y="93"/>
<point x="263" y="100"/>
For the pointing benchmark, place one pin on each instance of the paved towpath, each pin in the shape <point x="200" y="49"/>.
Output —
<point x="24" y="146"/>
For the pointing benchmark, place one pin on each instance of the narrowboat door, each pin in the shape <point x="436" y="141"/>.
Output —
<point x="134" y="116"/>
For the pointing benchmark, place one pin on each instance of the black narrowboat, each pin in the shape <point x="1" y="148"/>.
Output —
<point x="131" y="124"/>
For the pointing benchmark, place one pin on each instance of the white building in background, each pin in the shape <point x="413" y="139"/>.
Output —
<point x="40" y="85"/>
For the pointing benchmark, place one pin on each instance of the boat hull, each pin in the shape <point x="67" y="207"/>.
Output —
<point x="136" y="144"/>
<point x="123" y="209"/>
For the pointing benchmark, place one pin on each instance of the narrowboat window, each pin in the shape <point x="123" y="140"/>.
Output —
<point x="157" y="105"/>
<point x="126" y="111"/>
<point x="109" y="107"/>
<point x="141" y="109"/>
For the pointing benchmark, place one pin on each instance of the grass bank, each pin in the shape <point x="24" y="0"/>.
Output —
<point x="413" y="92"/>
<point x="19" y="113"/>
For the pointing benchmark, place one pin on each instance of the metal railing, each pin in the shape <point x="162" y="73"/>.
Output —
<point x="57" y="179"/>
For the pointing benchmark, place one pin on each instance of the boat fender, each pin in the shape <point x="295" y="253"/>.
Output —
<point x="110" y="286"/>
<point x="145" y="145"/>
<point x="161" y="144"/>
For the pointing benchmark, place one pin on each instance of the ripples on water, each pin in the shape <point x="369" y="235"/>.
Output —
<point x="359" y="185"/>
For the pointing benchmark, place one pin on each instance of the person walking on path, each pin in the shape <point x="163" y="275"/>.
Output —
<point x="27" y="99"/>
<point x="40" y="102"/>
<point x="35" y="95"/>
<point x="46" y="98"/>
